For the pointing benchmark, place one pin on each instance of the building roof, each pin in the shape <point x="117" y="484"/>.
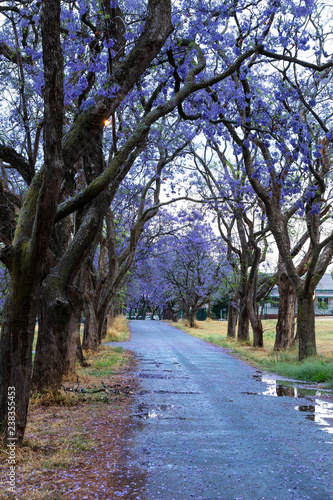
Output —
<point x="325" y="284"/>
<point x="323" y="289"/>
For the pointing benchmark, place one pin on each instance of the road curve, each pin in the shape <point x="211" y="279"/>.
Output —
<point x="209" y="431"/>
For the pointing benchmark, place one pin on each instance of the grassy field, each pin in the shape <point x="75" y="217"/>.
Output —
<point x="316" y="369"/>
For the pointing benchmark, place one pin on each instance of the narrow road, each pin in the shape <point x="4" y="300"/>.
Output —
<point x="211" y="431"/>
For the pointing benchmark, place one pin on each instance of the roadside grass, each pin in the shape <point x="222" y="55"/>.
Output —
<point x="118" y="331"/>
<point x="104" y="363"/>
<point x="318" y="369"/>
<point x="60" y="424"/>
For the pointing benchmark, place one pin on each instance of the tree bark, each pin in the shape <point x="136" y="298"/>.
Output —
<point x="285" y="327"/>
<point x="74" y="327"/>
<point x="74" y="345"/>
<point x="17" y="333"/>
<point x="191" y="317"/>
<point x="243" y="323"/>
<point x="102" y="328"/>
<point x="258" y="333"/>
<point x="232" y="320"/>
<point x="54" y="333"/>
<point x="174" y="317"/>
<point x="90" y="337"/>
<point x="251" y="298"/>
<point x="306" y="325"/>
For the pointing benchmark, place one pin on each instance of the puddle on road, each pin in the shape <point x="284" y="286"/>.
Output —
<point x="161" y="376"/>
<point x="160" y="391"/>
<point x="318" y="410"/>
<point x="153" y="375"/>
<point x="145" y="411"/>
<point x="161" y="411"/>
<point x="292" y="389"/>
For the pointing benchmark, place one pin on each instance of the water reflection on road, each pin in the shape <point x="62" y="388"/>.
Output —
<point x="319" y="409"/>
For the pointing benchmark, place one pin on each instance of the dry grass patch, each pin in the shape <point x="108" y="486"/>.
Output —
<point x="118" y="331"/>
<point x="324" y="336"/>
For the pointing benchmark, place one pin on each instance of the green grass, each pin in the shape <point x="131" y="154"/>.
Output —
<point x="314" y="369"/>
<point x="107" y="363"/>
<point x="118" y="349"/>
<point x="318" y="369"/>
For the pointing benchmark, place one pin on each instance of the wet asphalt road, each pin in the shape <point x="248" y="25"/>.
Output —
<point x="209" y="431"/>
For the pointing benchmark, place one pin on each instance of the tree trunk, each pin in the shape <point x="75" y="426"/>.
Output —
<point x="74" y="339"/>
<point x="232" y="320"/>
<point x="32" y="235"/>
<point x="285" y="327"/>
<point x="258" y="333"/>
<point x="91" y="336"/>
<point x="251" y="298"/>
<point x="191" y="317"/>
<point x="72" y="353"/>
<point x="306" y="325"/>
<point x="243" y="323"/>
<point x="79" y="354"/>
<point x="53" y="335"/>
<point x="256" y="324"/>
<point x="17" y="333"/>
<point x="102" y="322"/>
<point x="76" y="297"/>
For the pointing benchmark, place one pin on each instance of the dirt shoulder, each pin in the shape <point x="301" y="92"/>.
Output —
<point x="80" y="448"/>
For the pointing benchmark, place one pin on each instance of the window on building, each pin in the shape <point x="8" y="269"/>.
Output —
<point x="275" y="303"/>
<point x="322" y="301"/>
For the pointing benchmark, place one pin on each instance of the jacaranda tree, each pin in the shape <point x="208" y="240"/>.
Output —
<point x="70" y="71"/>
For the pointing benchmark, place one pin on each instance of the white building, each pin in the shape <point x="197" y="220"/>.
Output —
<point x="323" y="299"/>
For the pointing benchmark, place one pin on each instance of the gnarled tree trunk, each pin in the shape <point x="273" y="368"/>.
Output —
<point x="306" y="325"/>
<point x="54" y="333"/>
<point x="285" y="327"/>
